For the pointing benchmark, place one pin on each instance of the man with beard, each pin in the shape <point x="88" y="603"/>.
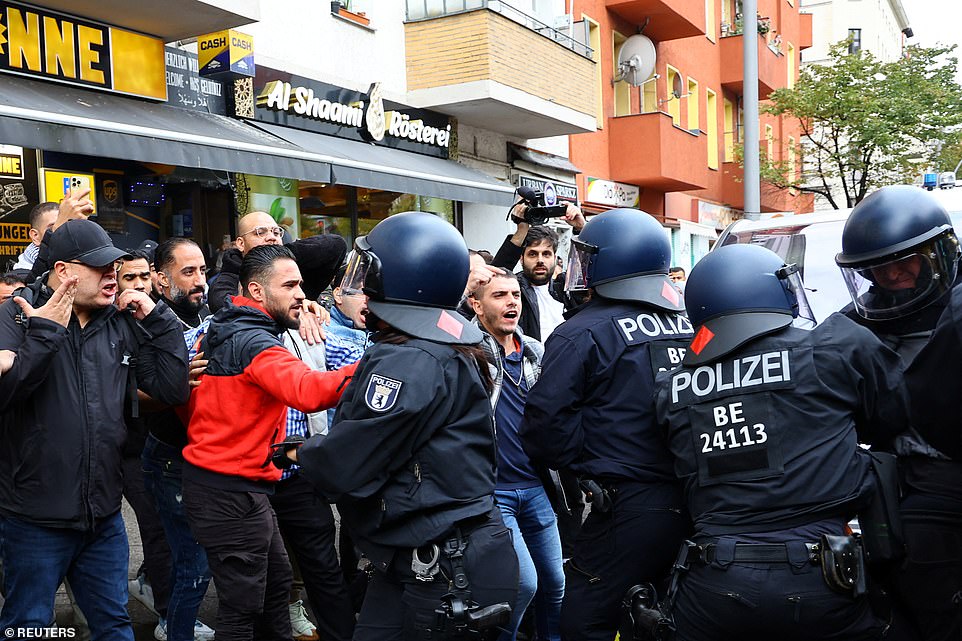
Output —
<point x="227" y="473"/>
<point x="543" y="297"/>
<point x="181" y="276"/>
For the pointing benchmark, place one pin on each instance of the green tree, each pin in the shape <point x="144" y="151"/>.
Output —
<point x="865" y="122"/>
<point x="948" y="155"/>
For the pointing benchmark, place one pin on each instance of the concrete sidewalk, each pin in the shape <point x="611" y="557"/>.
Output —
<point x="144" y="621"/>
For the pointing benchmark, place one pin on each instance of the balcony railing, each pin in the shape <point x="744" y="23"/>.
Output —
<point x="418" y="10"/>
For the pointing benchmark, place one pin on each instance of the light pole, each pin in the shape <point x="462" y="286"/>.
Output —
<point x="750" y="105"/>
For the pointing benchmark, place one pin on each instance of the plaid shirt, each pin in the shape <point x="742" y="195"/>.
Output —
<point x="338" y="352"/>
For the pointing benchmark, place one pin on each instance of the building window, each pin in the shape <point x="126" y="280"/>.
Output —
<point x="693" y="122"/>
<point x="792" y="161"/>
<point x="711" y="114"/>
<point x="854" y="40"/>
<point x="710" y="24"/>
<point x="729" y="133"/>
<point x="770" y="143"/>
<point x="594" y="41"/>
<point x="790" y="55"/>
<point x="673" y="80"/>
<point x="649" y="96"/>
<point x="622" y="88"/>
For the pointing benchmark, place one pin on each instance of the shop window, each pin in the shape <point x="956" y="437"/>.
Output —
<point x="729" y="133"/>
<point x="711" y="113"/>
<point x="694" y="123"/>
<point x="354" y="211"/>
<point x="622" y="88"/>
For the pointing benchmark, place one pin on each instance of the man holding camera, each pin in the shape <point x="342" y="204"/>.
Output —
<point x="543" y="298"/>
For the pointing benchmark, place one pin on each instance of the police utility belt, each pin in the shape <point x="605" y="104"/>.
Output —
<point x="841" y="558"/>
<point x="458" y="617"/>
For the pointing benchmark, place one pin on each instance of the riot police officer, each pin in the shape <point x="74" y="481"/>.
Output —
<point x="763" y="421"/>
<point x="900" y="260"/>
<point x="592" y="412"/>
<point x="410" y="458"/>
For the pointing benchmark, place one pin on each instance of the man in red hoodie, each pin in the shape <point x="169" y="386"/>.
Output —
<point x="236" y="412"/>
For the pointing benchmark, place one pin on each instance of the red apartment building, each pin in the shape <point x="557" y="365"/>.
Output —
<point x="675" y="157"/>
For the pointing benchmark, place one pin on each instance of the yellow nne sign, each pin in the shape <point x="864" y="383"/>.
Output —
<point x="45" y="44"/>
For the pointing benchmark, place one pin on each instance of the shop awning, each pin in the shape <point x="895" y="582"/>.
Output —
<point x="376" y="167"/>
<point x="61" y="118"/>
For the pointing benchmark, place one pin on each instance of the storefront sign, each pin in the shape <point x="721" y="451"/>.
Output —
<point x="607" y="192"/>
<point x="14" y="237"/>
<point x="715" y="215"/>
<point x="54" y="46"/>
<point x="226" y="54"/>
<point x="11" y="161"/>
<point x="554" y="191"/>
<point x="308" y="104"/>
<point x="185" y="88"/>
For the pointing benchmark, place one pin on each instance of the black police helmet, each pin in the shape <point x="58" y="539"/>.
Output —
<point x="624" y="254"/>
<point x="417" y="269"/>
<point x="737" y="293"/>
<point x="890" y="221"/>
<point x="899" y="253"/>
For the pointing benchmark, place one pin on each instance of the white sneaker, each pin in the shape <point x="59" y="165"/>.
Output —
<point x="201" y="631"/>
<point x="301" y="626"/>
<point x="141" y="590"/>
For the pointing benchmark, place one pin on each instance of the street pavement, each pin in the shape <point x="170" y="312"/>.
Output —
<point x="144" y="621"/>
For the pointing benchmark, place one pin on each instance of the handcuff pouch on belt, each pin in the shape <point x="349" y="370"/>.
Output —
<point x="458" y="617"/>
<point x="843" y="564"/>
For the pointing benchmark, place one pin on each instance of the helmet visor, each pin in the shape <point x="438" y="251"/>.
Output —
<point x="361" y="266"/>
<point x="579" y="260"/>
<point x="791" y="277"/>
<point x="894" y="286"/>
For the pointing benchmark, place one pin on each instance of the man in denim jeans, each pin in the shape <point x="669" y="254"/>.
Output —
<point x="181" y="276"/>
<point x="63" y="427"/>
<point x="515" y="362"/>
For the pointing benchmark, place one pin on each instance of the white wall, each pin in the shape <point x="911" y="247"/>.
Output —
<point x="303" y="37"/>
<point x="881" y="32"/>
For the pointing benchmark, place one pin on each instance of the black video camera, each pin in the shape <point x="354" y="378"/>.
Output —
<point x="458" y="619"/>
<point x="538" y="212"/>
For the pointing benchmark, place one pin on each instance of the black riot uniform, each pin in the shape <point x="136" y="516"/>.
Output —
<point x="905" y="226"/>
<point x="411" y="456"/>
<point x="764" y="422"/>
<point x="592" y="412"/>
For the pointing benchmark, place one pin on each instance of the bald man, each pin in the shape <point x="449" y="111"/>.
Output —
<point x="318" y="257"/>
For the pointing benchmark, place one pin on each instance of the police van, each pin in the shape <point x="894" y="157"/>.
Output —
<point x="811" y="241"/>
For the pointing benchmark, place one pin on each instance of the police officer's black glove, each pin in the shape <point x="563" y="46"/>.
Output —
<point x="280" y="458"/>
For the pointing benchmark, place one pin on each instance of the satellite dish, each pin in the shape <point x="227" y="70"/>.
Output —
<point x="636" y="60"/>
<point x="676" y="86"/>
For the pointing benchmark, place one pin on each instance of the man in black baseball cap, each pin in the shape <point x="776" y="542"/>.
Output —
<point x="82" y="248"/>
<point x="61" y="475"/>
